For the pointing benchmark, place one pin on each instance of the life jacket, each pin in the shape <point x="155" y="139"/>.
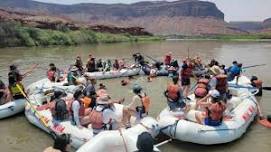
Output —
<point x="60" y="110"/>
<point x="173" y="91"/>
<point x="14" y="77"/>
<point x="86" y="101"/>
<point x="222" y="83"/>
<point x="146" y="102"/>
<point x="51" y="75"/>
<point x="167" y="60"/>
<point x="96" y="119"/>
<point x="215" y="112"/>
<point x="14" y="90"/>
<point x="201" y="88"/>
<point x="187" y="72"/>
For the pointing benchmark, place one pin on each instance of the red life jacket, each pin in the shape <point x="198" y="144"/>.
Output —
<point x="96" y="119"/>
<point x="167" y="59"/>
<point x="215" y="111"/>
<point x="201" y="88"/>
<point x="187" y="72"/>
<point x="173" y="91"/>
<point x="222" y="83"/>
<point x="257" y="83"/>
<point x="51" y="75"/>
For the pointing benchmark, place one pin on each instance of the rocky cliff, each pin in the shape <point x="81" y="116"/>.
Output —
<point x="183" y="17"/>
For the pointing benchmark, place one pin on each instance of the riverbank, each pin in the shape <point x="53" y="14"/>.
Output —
<point x="261" y="37"/>
<point x="14" y="34"/>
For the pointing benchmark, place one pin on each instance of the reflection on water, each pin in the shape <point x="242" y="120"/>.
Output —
<point x="17" y="134"/>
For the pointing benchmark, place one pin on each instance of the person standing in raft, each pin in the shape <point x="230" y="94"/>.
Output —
<point x="15" y="78"/>
<point x="139" y="107"/>
<point x="4" y="93"/>
<point x="174" y="95"/>
<point x="213" y="115"/>
<point x="185" y="75"/>
<point x="73" y="76"/>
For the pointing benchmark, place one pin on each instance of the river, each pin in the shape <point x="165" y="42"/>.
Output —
<point x="19" y="135"/>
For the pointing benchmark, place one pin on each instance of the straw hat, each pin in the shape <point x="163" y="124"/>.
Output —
<point x="74" y="68"/>
<point x="104" y="99"/>
<point x="215" y="70"/>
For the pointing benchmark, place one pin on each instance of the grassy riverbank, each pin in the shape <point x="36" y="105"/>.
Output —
<point x="13" y="34"/>
<point x="245" y="37"/>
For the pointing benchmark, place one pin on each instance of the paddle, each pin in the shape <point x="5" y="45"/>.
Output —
<point x="252" y="66"/>
<point x="30" y="70"/>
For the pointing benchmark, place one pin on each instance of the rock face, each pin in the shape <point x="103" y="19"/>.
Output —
<point x="57" y="23"/>
<point x="183" y="17"/>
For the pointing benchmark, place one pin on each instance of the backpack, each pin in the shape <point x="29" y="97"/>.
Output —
<point x="146" y="102"/>
<point x="60" y="110"/>
<point x="96" y="119"/>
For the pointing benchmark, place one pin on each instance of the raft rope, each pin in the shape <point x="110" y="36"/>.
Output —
<point x="125" y="144"/>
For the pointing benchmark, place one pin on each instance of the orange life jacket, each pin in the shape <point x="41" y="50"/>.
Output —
<point x="86" y="101"/>
<point x="146" y="102"/>
<point x="173" y="91"/>
<point x="222" y="83"/>
<point x="215" y="112"/>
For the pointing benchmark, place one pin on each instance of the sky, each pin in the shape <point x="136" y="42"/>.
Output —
<point x="234" y="10"/>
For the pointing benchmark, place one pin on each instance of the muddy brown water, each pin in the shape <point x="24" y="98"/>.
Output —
<point x="16" y="134"/>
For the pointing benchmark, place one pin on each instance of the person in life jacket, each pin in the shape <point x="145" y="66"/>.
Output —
<point x="213" y="115"/>
<point x="140" y="105"/>
<point x="116" y="65"/>
<point x="174" y="95"/>
<point x="103" y="117"/>
<point x="91" y="65"/>
<point x="4" y="93"/>
<point x="53" y="73"/>
<point x="168" y="58"/>
<point x="73" y="75"/>
<point x="222" y="84"/>
<point x="79" y="64"/>
<point x="153" y="73"/>
<point x="60" y="112"/>
<point x="90" y="92"/>
<point x="255" y="82"/>
<point x="79" y="113"/>
<point x="15" y="78"/>
<point x="202" y="87"/>
<point x="185" y="75"/>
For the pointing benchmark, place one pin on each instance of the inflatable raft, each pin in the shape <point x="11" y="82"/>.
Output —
<point x="114" y="74"/>
<point x="162" y="72"/>
<point x="121" y="140"/>
<point x="241" y="107"/>
<point x="12" y="108"/>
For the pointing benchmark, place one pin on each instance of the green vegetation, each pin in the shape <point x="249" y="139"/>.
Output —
<point x="244" y="37"/>
<point x="14" y="34"/>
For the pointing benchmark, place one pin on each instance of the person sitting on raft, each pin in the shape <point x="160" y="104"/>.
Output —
<point x="215" y="108"/>
<point x="79" y="113"/>
<point x="139" y="107"/>
<point x="116" y="65"/>
<point x="139" y="59"/>
<point x="167" y="59"/>
<point x="174" y="95"/>
<point x="59" y="111"/>
<point x="4" y="93"/>
<point x="90" y="93"/>
<point x="91" y="65"/>
<point x="53" y="73"/>
<point x="79" y="64"/>
<point x="121" y="63"/>
<point x="73" y="76"/>
<point x="107" y="65"/>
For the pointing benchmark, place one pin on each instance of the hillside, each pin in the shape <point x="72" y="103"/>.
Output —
<point x="183" y="17"/>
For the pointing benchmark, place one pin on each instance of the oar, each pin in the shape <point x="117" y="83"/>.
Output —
<point x="30" y="70"/>
<point x="252" y="66"/>
<point x="162" y="143"/>
<point x="40" y="117"/>
<point x="267" y="88"/>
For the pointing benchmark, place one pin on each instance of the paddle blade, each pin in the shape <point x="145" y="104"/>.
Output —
<point x="266" y="88"/>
